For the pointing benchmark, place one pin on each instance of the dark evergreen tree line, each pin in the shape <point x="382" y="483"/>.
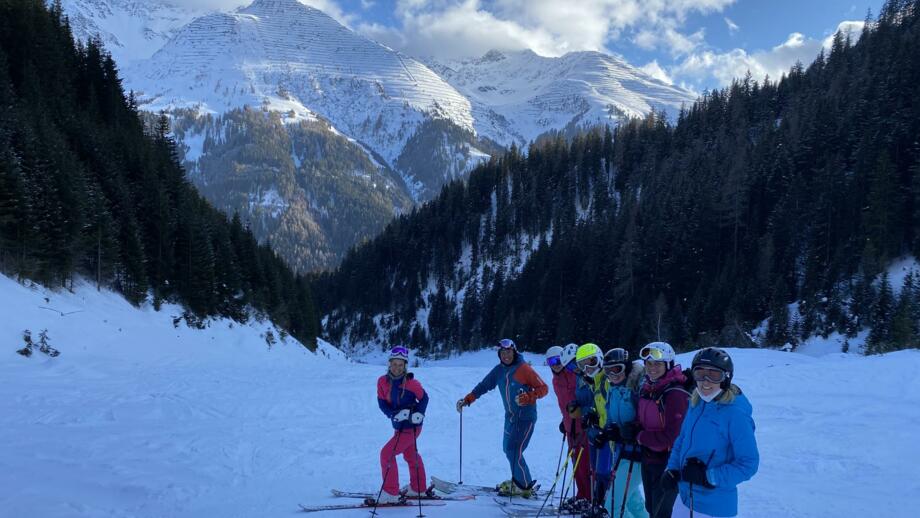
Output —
<point x="86" y="188"/>
<point x="759" y="195"/>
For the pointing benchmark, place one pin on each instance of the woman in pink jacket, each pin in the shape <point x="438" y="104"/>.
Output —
<point x="403" y="400"/>
<point x="561" y="361"/>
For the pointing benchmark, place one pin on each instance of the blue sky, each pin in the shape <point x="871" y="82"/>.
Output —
<point x="699" y="44"/>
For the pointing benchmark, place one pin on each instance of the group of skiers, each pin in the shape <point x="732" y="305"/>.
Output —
<point x="691" y="432"/>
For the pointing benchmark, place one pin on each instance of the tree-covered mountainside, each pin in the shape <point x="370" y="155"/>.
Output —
<point x="305" y="188"/>
<point x="761" y="195"/>
<point x="86" y="188"/>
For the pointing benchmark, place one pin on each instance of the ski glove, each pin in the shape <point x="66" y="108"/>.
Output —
<point x="417" y="418"/>
<point x="574" y="410"/>
<point x="694" y="472"/>
<point x="669" y="479"/>
<point x="590" y="420"/>
<point x="402" y="415"/>
<point x="526" y="399"/>
<point x="612" y="433"/>
<point x="562" y="427"/>
<point x="597" y="436"/>
<point x="466" y="401"/>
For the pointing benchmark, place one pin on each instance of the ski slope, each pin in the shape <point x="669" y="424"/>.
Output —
<point x="137" y="418"/>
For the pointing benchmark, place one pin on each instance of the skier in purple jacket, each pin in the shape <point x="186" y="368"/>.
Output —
<point x="663" y="404"/>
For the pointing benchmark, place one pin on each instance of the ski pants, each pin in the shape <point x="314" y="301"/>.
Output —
<point x="578" y="443"/>
<point x="402" y="442"/>
<point x="517" y="437"/>
<point x="655" y="497"/>
<point x="635" y="505"/>
<point x="601" y="466"/>
<point x="682" y="511"/>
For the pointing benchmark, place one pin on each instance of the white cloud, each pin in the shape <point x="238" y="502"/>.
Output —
<point x="701" y="67"/>
<point x="654" y="69"/>
<point x="454" y="28"/>
<point x="732" y="26"/>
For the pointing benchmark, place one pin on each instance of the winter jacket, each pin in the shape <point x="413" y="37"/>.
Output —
<point x="722" y="434"/>
<point x="564" y="385"/>
<point x="622" y="401"/>
<point x="592" y="398"/>
<point x="395" y="394"/>
<point x="514" y="379"/>
<point x="662" y="406"/>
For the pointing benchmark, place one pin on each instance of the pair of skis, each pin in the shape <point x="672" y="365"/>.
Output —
<point x="430" y="499"/>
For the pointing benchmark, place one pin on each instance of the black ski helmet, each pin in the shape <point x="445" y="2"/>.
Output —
<point x="715" y="358"/>
<point x="618" y="356"/>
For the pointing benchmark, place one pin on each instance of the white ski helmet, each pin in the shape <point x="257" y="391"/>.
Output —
<point x="568" y="354"/>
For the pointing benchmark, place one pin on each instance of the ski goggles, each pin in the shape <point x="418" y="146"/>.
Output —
<point x="506" y="343"/>
<point x="399" y="353"/>
<point x="710" y="375"/>
<point x="552" y="361"/>
<point x="589" y="362"/>
<point x="617" y="368"/>
<point x="652" y="353"/>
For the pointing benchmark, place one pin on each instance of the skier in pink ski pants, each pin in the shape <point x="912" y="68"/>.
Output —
<point x="403" y="400"/>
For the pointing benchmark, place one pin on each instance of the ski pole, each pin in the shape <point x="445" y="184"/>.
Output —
<point x="386" y="473"/>
<point x="555" y="481"/>
<point x="565" y="472"/>
<point x="613" y="478"/>
<point x="691" y="483"/>
<point x="418" y="462"/>
<point x="632" y="462"/>
<point x="461" y="446"/>
<point x="572" y="482"/>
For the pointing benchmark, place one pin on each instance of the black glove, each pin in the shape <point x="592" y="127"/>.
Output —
<point x="669" y="479"/>
<point x="562" y="427"/>
<point x="629" y="431"/>
<point x="597" y="436"/>
<point x="612" y="431"/>
<point x="590" y="420"/>
<point x="694" y="472"/>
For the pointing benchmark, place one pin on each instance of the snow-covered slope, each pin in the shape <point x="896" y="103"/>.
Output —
<point x="137" y="418"/>
<point x="516" y="96"/>
<point x="129" y="29"/>
<point x="287" y="56"/>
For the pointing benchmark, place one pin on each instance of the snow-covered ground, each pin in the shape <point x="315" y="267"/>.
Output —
<point x="138" y="418"/>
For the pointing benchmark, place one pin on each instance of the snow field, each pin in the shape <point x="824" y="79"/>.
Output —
<point x="139" y="419"/>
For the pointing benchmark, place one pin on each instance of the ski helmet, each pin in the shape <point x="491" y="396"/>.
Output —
<point x="568" y="356"/>
<point x="399" y="353"/>
<point x="554" y="356"/>
<point x="615" y="358"/>
<point x="714" y="358"/>
<point x="590" y="359"/>
<point x="658" y="352"/>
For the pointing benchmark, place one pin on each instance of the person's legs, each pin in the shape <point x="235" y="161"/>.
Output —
<point x="418" y="482"/>
<point x="388" y="468"/>
<point x="517" y="437"/>
<point x="682" y="511"/>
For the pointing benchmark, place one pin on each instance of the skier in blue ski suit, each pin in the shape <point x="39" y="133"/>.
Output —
<point x="519" y="387"/>
<point x="716" y="449"/>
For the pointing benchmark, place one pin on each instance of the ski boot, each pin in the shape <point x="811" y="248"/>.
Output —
<point x="573" y="505"/>
<point x="387" y="498"/>
<point x="510" y="488"/>
<point x="408" y="492"/>
<point x="596" y="511"/>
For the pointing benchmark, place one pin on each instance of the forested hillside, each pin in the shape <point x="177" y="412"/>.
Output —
<point x="87" y="189"/>
<point x="761" y="197"/>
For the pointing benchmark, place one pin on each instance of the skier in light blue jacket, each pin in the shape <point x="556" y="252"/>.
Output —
<point x="716" y="449"/>
<point x="622" y="426"/>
